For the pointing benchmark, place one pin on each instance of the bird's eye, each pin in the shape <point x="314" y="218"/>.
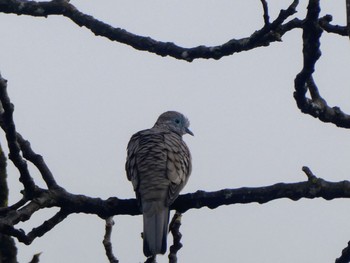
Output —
<point x="177" y="121"/>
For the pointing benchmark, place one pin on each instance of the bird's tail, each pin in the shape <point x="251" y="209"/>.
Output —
<point x="155" y="227"/>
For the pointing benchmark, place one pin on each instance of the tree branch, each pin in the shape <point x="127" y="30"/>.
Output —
<point x="38" y="161"/>
<point x="315" y="188"/>
<point x="20" y="151"/>
<point x="336" y="29"/>
<point x="345" y="255"/>
<point x="47" y="225"/>
<point x="316" y="106"/>
<point x="8" y="249"/>
<point x="266" y="12"/>
<point x="174" y="228"/>
<point x="107" y="241"/>
<point x="262" y="37"/>
<point x="8" y="125"/>
<point x="151" y="259"/>
<point x="35" y="258"/>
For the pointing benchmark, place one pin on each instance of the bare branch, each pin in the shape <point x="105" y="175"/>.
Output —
<point x="262" y="37"/>
<point x="4" y="191"/>
<point x="17" y="144"/>
<point x="311" y="177"/>
<point x="35" y="258"/>
<point x="8" y="249"/>
<point x="284" y="14"/>
<point x="38" y="161"/>
<point x="15" y="206"/>
<point x="174" y="228"/>
<point x="8" y="125"/>
<point x="315" y="188"/>
<point x="35" y="198"/>
<point x="311" y="189"/>
<point x="316" y="106"/>
<point x="107" y="241"/>
<point x="336" y="29"/>
<point x="47" y="225"/>
<point x="276" y="27"/>
<point x="11" y="231"/>
<point x="266" y="12"/>
<point x="345" y="255"/>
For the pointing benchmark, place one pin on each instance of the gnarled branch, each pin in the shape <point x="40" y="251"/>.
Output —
<point x="316" y="106"/>
<point x="271" y="32"/>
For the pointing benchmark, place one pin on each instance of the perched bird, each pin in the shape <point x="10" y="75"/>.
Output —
<point x="158" y="165"/>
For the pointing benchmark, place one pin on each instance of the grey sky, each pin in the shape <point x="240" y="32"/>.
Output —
<point x="78" y="99"/>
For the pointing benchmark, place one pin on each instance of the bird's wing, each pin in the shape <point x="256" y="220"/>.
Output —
<point x="146" y="163"/>
<point x="130" y="165"/>
<point x="178" y="165"/>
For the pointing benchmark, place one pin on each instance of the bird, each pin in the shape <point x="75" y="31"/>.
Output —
<point x="158" y="164"/>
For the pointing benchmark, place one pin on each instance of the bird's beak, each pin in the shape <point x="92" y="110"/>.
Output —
<point x="189" y="131"/>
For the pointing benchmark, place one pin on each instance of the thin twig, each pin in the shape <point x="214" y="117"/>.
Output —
<point x="266" y="12"/>
<point x="311" y="177"/>
<point x="38" y="161"/>
<point x="48" y="224"/>
<point x="8" y="125"/>
<point x="35" y="258"/>
<point x="336" y="29"/>
<point x="107" y="241"/>
<point x="174" y="228"/>
<point x="20" y="203"/>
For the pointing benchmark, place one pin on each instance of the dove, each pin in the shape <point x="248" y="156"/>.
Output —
<point x="158" y="165"/>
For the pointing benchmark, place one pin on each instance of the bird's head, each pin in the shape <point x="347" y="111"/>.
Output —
<point x="174" y="121"/>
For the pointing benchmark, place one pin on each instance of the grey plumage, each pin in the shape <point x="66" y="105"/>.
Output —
<point x="158" y="165"/>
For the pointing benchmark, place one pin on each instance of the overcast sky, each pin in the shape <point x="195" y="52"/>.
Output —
<point x="79" y="98"/>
